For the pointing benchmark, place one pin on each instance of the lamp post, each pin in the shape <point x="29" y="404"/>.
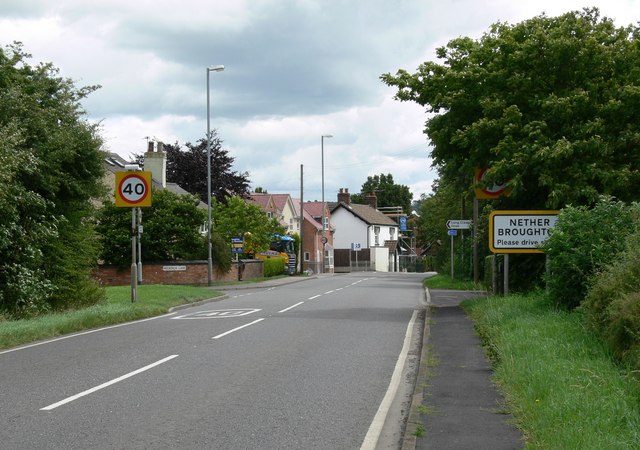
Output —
<point x="219" y="68"/>
<point x="324" y="238"/>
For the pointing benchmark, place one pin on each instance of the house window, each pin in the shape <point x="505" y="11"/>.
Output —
<point x="307" y="256"/>
<point x="326" y="223"/>
<point x="270" y="215"/>
<point x="291" y="224"/>
<point x="376" y="232"/>
<point x="392" y="232"/>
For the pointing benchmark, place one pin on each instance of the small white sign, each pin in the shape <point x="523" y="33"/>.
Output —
<point x="458" y="224"/>
<point x="174" y="268"/>
<point x="356" y="247"/>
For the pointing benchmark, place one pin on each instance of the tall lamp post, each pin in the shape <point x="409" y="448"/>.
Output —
<point x="219" y="68"/>
<point x="324" y="238"/>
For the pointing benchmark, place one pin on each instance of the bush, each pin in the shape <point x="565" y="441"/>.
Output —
<point x="584" y="241"/>
<point x="274" y="266"/>
<point x="612" y="305"/>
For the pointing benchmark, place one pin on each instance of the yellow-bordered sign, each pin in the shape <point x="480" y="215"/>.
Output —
<point x="133" y="189"/>
<point x="520" y="231"/>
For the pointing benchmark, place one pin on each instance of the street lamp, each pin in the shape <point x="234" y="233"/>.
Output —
<point x="219" y="68"/>
<point x="324" y="239"/>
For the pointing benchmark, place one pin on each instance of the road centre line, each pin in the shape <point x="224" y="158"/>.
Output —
<point x="291" y="307"/>
<point x="107" y="384"/>
<point x="315" y="296"/>
<point x="237" y="328"/>
<point x="329" y="292"/>
<point x="69" y="336"/>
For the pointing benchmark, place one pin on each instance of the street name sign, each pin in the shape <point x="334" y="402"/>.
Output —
<point x="133" y="189"/>
<point x="458" y="224"/>
<point x="520" y="231"/>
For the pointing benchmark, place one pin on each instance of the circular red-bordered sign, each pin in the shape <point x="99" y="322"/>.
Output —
<point x="133" y="189"/>
<point x="496" y="190"/>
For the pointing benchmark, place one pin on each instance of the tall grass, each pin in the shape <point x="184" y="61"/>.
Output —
<point x="152" y="300"/>
<point x="560" y="381"/>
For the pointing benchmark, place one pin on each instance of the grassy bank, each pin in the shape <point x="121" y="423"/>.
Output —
<point x="445" y="282"/>
<point x="560" y="382"/>
<point x="152" y="300"/>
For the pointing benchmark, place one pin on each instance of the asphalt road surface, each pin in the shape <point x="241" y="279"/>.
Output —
<point x="301" y="366"/>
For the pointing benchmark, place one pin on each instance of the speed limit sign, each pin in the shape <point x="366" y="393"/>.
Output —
<point x="133" y="189"/>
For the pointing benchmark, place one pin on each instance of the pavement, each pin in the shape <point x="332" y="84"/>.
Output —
<point x="455" y="401"/>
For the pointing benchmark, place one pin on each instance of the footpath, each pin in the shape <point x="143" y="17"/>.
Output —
<point x="460" y="406"/>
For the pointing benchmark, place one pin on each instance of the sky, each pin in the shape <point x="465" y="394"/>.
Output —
<point x="295" y="70"/>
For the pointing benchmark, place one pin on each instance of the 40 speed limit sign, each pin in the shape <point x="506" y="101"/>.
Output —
<point x="133" y="189"/>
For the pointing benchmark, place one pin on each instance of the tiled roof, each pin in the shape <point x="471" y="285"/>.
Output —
<point x="367" y="214"/>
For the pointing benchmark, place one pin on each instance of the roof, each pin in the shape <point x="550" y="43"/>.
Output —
<point x="367" y="214"/>
<point x="313" y="208"/>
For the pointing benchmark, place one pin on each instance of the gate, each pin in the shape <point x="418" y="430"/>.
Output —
<point x="345" y="260"/>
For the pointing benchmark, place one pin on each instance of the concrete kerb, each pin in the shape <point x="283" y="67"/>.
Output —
<point x="415" y="419"/>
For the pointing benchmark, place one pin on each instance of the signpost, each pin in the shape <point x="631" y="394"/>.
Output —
<point x="458" y="224"/>
<point x="520" y="231"/>
<point x="133" y="190"/>
<point x="356" y="247"/>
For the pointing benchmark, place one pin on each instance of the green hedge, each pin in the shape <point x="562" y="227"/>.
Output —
<point x="274" y="266"/>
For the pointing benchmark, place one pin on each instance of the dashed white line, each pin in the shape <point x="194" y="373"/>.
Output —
<point x="236" y="329"/>
<point x="107" y="384"/>
<point x="315" y="296"/>
<point x="291" y="307"/>
<point x="329" y="292"/>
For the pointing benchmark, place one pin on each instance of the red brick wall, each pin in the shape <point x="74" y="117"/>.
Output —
<point x="189" y="272"/>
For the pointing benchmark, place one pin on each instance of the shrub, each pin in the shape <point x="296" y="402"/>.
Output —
<point x="612" y="305"/>
<point x="584" y="241"/>
<point x="274" y="266"/>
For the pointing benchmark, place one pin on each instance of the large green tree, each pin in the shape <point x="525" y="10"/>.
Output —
<point x="388" y="193"/>
<point x="52" y="167"/>
<point x="188" y="168"/>
<point x="237" y="217"/>
<point x="171" y="231"/>
<point x="551" y="104"/>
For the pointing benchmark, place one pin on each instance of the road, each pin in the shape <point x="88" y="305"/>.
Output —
<point x="301" y="366"/>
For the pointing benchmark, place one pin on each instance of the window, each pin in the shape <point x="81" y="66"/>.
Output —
<point x="307" y="256"/>
<point x="392" y="232"/>
<point x="376" y="232"/>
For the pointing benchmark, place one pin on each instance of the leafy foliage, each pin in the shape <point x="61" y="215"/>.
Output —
<point x="612" y="305"/>
<point x="551" y="104"/>
<point x="52" y="167"/>
<point x="236" y="217"/>
<point x="171" y="230"/>
<point x="388" y="193"/>
<point x="188" y="168"/>
<point x="274" y="266"/>
<point x="583" y="242"/>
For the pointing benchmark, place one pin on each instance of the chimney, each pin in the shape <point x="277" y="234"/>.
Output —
<point x="344" y="196"/>
<point x="156" y="163"/>
<point x="371" y="199"/>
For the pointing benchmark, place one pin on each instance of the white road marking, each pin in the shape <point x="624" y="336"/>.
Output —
<point x="371" y="439"/>
<point x="315" y="296"/>
<point x="291" y="307"/>
<point x="329" y="292"/>
<point x="69" y="336"/>
<point x="107" y="384"/>
<point x="236" y="329"/>
<point x="218" y="313"/>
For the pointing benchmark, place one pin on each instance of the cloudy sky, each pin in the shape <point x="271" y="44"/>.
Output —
<point x="294" y="70"/>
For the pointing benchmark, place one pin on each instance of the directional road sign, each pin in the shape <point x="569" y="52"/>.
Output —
<point x="458" y="224"/>
<point x="133" y="189"/>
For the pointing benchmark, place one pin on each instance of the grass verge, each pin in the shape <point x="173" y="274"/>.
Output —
<point x="560" y="382"/>
<point x="445" y="282"/>
<point x="153" y="300"/>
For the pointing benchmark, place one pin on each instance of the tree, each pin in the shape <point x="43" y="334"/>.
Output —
<point x="171" y="230"/>
<point x="52" y="168"/>
<point x="388" y="193"/>
<point x="237" y="217"/>
<point x="550" y="104"/>
<point x="189" y="170"/>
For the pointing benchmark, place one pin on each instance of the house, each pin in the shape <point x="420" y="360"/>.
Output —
<point x="281" y="207"/>
<point x="364" y="227"/>
<point x="155" y="161"/>
<point x="317" y="256"/>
